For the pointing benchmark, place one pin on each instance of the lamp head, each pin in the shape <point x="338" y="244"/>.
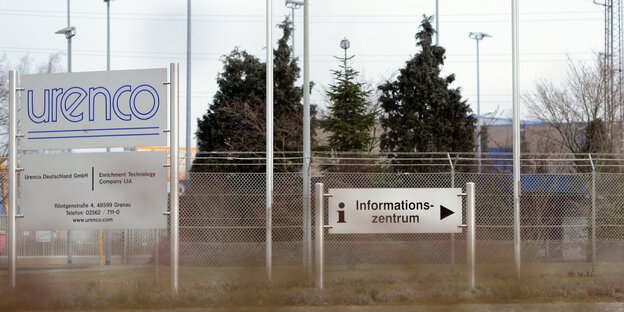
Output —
<point x="293" y="3"/>
<point x="344" y="43"/>
<point x="478" y="35"/>
<point x="69" y="31"/>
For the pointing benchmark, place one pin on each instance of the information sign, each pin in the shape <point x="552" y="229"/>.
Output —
<point x="126" y="190"/>
<point x="395" y="210"/>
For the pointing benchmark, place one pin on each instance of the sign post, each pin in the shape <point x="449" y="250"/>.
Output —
<point x="470" y="232"/>
<point x="319" y="224"/>
<point x="12" y="177"/>
<point x="174" y="89"/>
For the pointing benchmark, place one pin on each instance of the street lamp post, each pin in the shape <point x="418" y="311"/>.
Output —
<point x="345" y="44"/>
<point x="107" y="34"/>
<point x="69" y="32"/>
<point x="293" y="4"/>
<point x="187" y="155"/>
<point x="437" y="20"/>
<point x="307" y="187"/>
<point x="478" y="36"/>
<point x="107" y="242"/>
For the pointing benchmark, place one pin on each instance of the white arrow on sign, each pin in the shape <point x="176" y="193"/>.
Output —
<point x="396" y="210"/>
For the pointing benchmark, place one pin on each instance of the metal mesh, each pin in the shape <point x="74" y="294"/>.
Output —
<point x="222" y="225"/>
<point x="376" y="249"/>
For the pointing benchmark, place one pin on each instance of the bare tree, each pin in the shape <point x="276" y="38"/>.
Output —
<point x="25" y="66"/>
<point x="585" y="110"/>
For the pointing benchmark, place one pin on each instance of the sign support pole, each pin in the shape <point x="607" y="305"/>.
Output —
<point x="269" y="141"/>
<point x="516" y="136"/>
<point x="593" y="214"/>
<point x="452" y="186"/>
<point x="307" y="213"/>
<point x="174" y="219"/>
<point x="318" y="239"/>
<point x="470" y="232"/>
<point x="12" y="178"/>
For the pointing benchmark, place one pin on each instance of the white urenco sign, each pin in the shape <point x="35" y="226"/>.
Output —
<point x="395" y="210"/>
<point x="123" y="108"/>
<point x="93" y="191"/>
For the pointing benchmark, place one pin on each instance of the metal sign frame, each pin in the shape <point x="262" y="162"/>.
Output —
<point x="394" y="210"/>
<point x="174" y="174"/>
<point x="93" y="191"/>
<point x="320" y="230"/>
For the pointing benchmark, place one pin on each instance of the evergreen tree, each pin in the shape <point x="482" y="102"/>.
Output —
<point x="241" y="84"/>
<point x="287" y="107"/>
<point x="349" y="120"/>
<point x="421" y="113"/>
<point x="236" y="119"/>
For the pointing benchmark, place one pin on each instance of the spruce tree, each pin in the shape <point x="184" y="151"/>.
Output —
<point x="349" y="120"/>
<point x="421" y="113"/>
<point x="240" y="83"/>
<point x="287" y="108"/>
<point x="236" y="119"/>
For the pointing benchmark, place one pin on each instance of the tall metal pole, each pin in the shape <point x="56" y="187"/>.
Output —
<point x="516" y="136"/>
<point x="188" y="89"/>
<point x="293" y="4"/>
<point x="173" y="169"/>
<point x="69" y="68"/>
<point x="437" y="19"/>
<point x="269" y="138"/>
<point x="107" y="34"/>
<point x="70" y="251"/>
<point x="478" y="112"/>
<point x="107" y="239"/>
<point x="307" y="219"/>
<point x="12" y="178"/>
<point x="478" y="36"/>
<point x="293" y="31"/>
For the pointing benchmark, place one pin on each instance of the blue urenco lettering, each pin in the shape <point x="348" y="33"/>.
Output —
<point x="75" y="104"/>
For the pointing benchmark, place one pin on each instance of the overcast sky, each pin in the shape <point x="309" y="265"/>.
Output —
<point x="152" y="33"/>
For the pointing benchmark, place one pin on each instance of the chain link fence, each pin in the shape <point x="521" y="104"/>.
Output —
<point x="223" y="223"/>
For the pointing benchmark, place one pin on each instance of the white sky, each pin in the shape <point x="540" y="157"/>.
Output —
<point x="152" y="33"/>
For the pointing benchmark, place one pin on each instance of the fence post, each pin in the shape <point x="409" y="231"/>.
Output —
<point x="319" y="228"/>
<point x="156" y="252"/>
<point x="593" y="216"/>
<point x="470" y="232"/>
<point x="70" y="251"/>
<point x="452" y="234"/>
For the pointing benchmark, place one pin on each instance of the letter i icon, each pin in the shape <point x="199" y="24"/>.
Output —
<point x="341" y="217"/>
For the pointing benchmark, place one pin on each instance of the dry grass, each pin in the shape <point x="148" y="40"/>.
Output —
<point x="359" y="285"/>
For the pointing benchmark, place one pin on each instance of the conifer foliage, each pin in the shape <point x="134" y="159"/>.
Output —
<point x="236" y="119"/>
<point x="349" y="120"/>
<point x="421" y="113"/>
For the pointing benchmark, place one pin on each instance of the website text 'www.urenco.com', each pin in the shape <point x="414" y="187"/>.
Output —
<point x="87" y="220"/>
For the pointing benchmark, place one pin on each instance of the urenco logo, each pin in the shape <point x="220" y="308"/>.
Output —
<point x="124" y="108"/>
<point x="76" y="104"/>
